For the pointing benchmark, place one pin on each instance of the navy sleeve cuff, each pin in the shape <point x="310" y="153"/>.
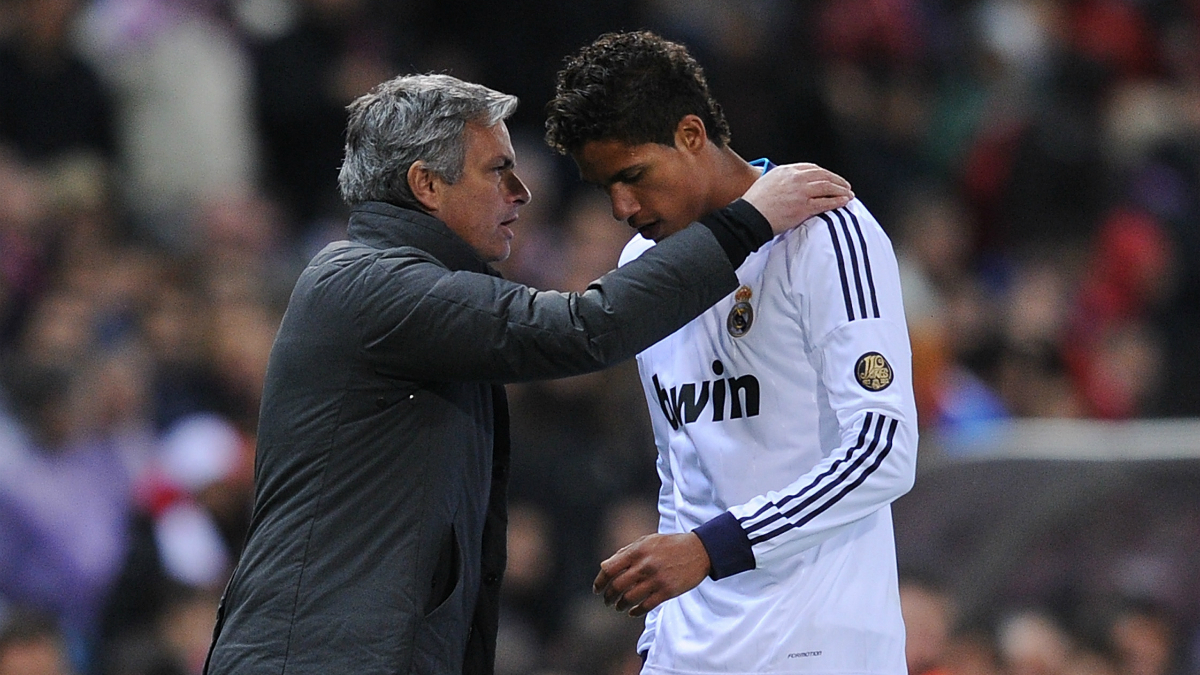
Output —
<point x="740" y="229"/>
<point x="727" y="545"/>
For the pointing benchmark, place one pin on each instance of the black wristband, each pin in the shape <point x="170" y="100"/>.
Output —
<point x="740" y="229"/>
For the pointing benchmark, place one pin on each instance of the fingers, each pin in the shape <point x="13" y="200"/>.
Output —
<point x="623" y="584"/>
<point x="790" y="194"/>
<point x="815" y="174"/>
<point x="825" y="186"/>
<point x="820" y="184"/>
<point x="633" y="595"/>
<point x="622" y="591"/>
<point x="823" y="204"/>
<point x="651" y="571"/>
<point x="609" y="570"/>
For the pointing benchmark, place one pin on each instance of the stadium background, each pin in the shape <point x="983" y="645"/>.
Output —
<point x="166" y="167"/>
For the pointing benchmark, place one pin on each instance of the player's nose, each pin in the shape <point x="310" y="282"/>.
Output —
<point x="624" y="205"/>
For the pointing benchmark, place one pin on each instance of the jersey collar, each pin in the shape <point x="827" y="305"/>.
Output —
<point x="764" y="164"/>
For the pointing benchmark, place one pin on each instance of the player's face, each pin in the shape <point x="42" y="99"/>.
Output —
<point x="657" y="189"/>
<point x="482" y="205"/>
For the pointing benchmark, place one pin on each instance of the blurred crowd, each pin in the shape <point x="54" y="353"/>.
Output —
<point x="168" y="166"/>
<point x="1110" y="638"/>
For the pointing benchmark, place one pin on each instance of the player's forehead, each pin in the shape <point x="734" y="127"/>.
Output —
<point x="604" y="161"/>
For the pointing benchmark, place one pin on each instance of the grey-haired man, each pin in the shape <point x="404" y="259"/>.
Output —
<point x="377" y="538"/>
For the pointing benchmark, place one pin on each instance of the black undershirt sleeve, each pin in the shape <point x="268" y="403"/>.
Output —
<point x="740" y="229"/>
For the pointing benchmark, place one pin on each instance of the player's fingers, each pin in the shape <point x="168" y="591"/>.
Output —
<point x="611" y="595"/>
<point x="649" y="602"/>
<point x="600" y="582"/>
<point x="823" y="204"/>
<point x="813" y="173"/>
<point x="633" y="597"/>
<point x="610" y="569"/>
<point x="618" y="587"/>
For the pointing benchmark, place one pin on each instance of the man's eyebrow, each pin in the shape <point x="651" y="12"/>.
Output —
<point x="504" y="161"/>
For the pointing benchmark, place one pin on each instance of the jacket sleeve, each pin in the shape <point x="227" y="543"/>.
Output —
<point x="848" y="290"/>
<point x="419" y="320"/>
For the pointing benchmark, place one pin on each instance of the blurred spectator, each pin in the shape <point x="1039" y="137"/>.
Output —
<point x="185" y="627"/>
<point x="1144" y="637"/>
<point x="1114" y="354"/>
<point x="928" y="611"/>
<point x="53" y="107"/>
<point x="527" y="619"/>
<point x="304" y="77"/>
<point x="1032" y="642"/>
<point x="972" y="650"/>
<point x="64" y="500"/>
<point x="173" y="639"/>
<point x="31" y="644"/>
<point x="183" y="88"/>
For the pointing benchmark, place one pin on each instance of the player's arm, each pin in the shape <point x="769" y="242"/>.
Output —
<point x="850" y="291"/>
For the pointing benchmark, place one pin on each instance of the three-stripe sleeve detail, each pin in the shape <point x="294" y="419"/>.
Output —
<point x="854" y="274"/>
<point x="866" y="261"/>
<point x="837" y="249"/>
<point x="844" y="475"/>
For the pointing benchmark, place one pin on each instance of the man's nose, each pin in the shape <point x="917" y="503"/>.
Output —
<point x="516" y="188"/>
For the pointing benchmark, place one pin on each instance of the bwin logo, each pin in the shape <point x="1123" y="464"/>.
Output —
<point x="682" y="405"/>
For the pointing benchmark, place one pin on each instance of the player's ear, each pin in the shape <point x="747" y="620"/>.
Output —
<point x="426" y="185"/>
<point x="690" y="133"/>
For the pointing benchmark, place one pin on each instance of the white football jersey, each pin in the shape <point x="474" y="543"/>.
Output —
<point x="785" y="426"/>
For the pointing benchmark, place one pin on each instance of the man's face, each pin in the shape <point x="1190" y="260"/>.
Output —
<point x="482" y="205"/>
<point x="656" y="189"/>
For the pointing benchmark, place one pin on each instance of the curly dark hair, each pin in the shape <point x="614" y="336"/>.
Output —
<point x="633" y="88"/>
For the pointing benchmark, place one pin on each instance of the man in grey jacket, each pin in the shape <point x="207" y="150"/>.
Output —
<point x="377" y="539"/>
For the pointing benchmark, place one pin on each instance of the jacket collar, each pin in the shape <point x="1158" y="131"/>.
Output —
<point x="383" y="225"/>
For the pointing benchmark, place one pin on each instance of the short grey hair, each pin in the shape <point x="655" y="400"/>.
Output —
<point x="411" y="118"/>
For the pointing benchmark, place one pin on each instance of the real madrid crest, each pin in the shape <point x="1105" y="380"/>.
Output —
<point x="741" y="317"/>
<point x="873" y="371"/>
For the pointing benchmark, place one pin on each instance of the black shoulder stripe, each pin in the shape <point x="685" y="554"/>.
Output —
<point x="866" y="261"/>
<point x="858" y="285"/>
<point x="837" y="249"/>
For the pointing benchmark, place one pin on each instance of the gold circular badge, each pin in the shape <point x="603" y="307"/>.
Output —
<point x="873" y="371"/>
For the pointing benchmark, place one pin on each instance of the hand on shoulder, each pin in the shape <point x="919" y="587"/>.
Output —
<point x="792" y="193"/>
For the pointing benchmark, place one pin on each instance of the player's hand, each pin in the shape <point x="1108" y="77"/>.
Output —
<point x="792" y="193"/>
<point x="652" y="570"/>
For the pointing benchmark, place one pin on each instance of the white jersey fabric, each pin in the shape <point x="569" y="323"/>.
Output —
<point x="785" y="426"/>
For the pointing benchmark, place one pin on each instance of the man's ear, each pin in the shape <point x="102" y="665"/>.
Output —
<point x="690" y="133"/>
<point x="425" y="185"/>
